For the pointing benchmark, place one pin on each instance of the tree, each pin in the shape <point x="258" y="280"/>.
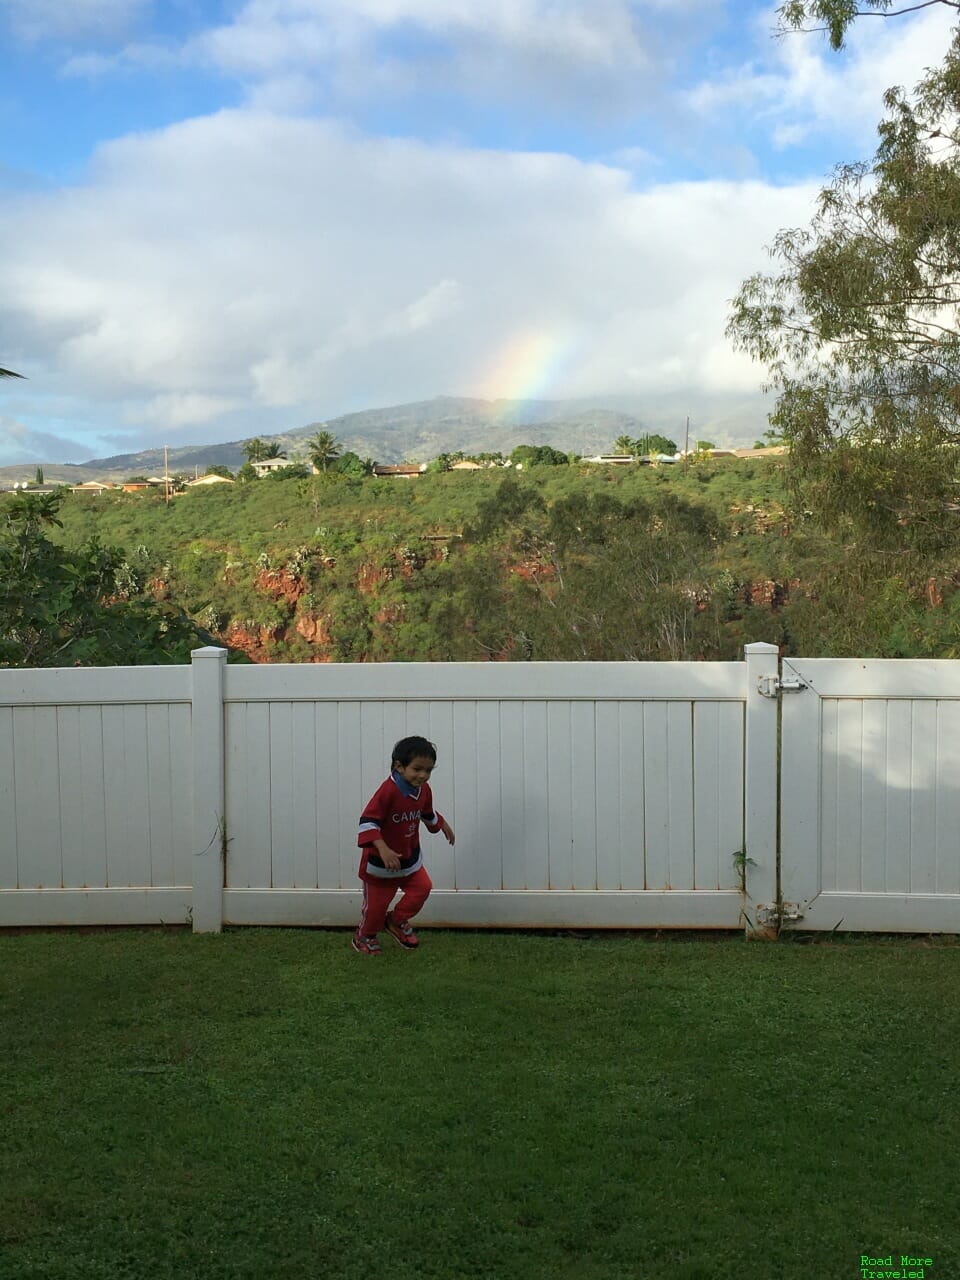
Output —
<point x="68" y="608"/>
<point x="837" y="15"/>
<point x="39" y="475"/>
<point x="323" y="449"/>
<point x="351" y="464"/>
<point x="623" y="444"/>
<point x="219" y="470"/>
<point x="257" y="450"/>
<point x="658" y="444"/>
<point x="860" y="327"/>
<point x="538" y="455"/>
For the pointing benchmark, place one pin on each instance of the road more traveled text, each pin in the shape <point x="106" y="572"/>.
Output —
<point x="908" y="1268"/>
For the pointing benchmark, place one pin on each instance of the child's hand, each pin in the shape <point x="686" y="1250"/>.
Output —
<point x="389" y="859"/>
<point x="447" y="830"/>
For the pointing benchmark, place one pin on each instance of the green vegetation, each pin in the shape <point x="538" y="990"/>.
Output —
<point x="266" y="1103"/>
<point x="860" y="326"/>
<point x="646" y="445"/>
<point x="257" y="450"/>
<point x="81" y="607"/>
<point x="576" y="561"/>
<point x="323" y="450"/>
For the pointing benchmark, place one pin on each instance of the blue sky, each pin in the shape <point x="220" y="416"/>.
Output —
<point x="228" y="217"/>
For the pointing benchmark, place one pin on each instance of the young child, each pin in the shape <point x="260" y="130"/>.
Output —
<point x="390" y="840"/>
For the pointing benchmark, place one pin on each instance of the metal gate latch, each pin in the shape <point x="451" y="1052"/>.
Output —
<point x="771" y="686"/>
<point x="771" y="914"/>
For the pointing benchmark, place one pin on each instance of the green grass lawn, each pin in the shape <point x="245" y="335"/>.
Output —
<point x="269" y="1104"/>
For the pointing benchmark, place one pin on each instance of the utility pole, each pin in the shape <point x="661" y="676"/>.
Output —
<point x="166" y="475"/>
<point x="686" y="441"/>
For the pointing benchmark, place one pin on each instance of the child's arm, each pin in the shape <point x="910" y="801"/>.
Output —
<point x="391" y="860"/>
<point x="447" y="830"/>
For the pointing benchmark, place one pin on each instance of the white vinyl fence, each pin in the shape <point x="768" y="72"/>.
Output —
<point x="627" y="795"/>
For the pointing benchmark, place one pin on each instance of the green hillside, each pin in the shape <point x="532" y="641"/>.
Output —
<point x="557" y="563"/>
<point x="445" y="424"/>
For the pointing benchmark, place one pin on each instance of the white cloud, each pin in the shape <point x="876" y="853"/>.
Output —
<point x="73" y="19"/>
<point x="247" y="262"/>
<point x="595" y="56"/>
<point x="803" y="88"/>
<point x="182" y="409"/>
<point x="20" y="444"/>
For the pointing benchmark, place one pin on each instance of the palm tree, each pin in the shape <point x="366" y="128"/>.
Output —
<point x="323" y="448"/>
<point x="258" y="450"/>
<point x="623" y="445"/>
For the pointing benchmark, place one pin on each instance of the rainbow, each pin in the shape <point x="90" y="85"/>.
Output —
<point x="529" y="365"/>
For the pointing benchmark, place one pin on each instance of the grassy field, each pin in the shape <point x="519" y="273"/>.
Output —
<point x="269" y="1104"/>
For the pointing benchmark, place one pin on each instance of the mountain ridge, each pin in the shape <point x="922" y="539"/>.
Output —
<point x="420" y="430"/>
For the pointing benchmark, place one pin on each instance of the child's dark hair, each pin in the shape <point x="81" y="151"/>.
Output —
<point x="407" y="748"/>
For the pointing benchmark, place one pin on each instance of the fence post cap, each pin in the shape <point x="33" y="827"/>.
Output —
<point x="208" y="651"/>
<point x="760" y="646"/>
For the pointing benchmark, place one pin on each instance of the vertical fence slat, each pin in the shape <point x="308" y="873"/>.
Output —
<point x="897" y="794"/>
<point x="512" y="783"/>
<point x="923" y="799"/>
<point x="465" y="769"/>
<point x="488" y="851"/>
<point x="948" y="797"/>
<point x="656" y="796"/>
<point x="760" y="782"/>
<point x="583" y="817"/>
<point x="38" y="797"/>
<point x="559" y="795"/>
<point x="633" y="813"/>
<point x="536" y="809"/>
<point x="9" y="845"/>
<point x="873" y="831"/>
<point x="680" y="795"/>
<point x="847" y="770"/>
<point x="282" y="814"/>
<point x="209" y="813"/>
<point x="441" y="857"/>
<point x="303" y="775"/>
<point x="609" y="799"/>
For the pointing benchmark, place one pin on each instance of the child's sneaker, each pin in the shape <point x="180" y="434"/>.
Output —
<point x="366" y="944"/>
<point x="402" y="932"/>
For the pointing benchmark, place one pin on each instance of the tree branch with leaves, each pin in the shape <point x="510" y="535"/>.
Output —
<point x="859" y="328"/>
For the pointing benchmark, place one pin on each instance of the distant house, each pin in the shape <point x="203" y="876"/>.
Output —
<point x="267" y="465"/>
<point x="773" y="450"/>
<point x="466" y="466"/>
<point x="403" y="471"/>
<point x="92" y="486"/>
<point x="214" y="479"/>
<point x="136" y="485"/>
<point x="617" y="459"/>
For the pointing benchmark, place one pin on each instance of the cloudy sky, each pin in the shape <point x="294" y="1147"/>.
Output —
<point x="228" y="217"/>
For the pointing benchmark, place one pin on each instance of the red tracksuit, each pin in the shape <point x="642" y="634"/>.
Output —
<point x="393" y="815"/>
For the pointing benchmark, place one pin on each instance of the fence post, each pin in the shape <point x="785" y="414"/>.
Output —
<point x="760" y="786"/>
<point x="208" y="789"/>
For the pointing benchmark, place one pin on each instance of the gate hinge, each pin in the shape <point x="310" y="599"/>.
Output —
<point x="772" y="686"/>
<point x="772" y="913"/>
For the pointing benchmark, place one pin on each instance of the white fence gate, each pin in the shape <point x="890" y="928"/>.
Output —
<point x="870" y="808"/>
<point x="628" y="795"/>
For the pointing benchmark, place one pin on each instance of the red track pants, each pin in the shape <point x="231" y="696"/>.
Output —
<point x="378" y="894"/>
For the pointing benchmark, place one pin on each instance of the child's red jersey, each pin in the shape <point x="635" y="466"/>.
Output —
<point x="393" y="814"/>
